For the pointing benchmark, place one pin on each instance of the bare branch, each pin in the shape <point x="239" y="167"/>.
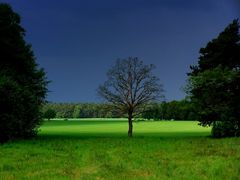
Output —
<point x="130" y="85"/>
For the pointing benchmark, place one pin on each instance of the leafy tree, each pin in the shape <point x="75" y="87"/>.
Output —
<point x="214" y="83"/>
<point x="49" y="114"/>
<point x="23" y="86"/>
<point x="223" y="50"/>
<point x="129" y="87"/>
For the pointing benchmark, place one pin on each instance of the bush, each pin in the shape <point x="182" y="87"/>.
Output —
<point x="225" y="129"/>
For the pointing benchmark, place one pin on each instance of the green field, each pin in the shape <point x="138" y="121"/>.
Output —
<point x="98" y="149"/>
<point x="113" y="128"/>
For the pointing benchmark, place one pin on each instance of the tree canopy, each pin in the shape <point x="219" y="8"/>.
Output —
<point x="23" y="86"/>
<point x="223" y="50"/>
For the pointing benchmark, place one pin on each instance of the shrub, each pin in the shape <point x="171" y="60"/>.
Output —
<point x="225" y="129"/>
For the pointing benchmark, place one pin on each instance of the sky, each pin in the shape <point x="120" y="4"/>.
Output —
<point x="77" y="41"/>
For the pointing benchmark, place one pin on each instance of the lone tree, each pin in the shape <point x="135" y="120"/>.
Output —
<point x="130" y="86"/>
<point x="23" y="86"/>
<point x="214" y="84"/>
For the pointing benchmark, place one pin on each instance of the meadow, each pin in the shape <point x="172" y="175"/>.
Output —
<point x="100" y="149"/>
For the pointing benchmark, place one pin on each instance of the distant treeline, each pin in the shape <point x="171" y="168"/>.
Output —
<point x="177" y="110"/>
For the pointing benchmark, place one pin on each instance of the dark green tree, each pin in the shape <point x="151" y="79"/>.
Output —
<point x="129" y="87"/>
<point x="23" y="86"/>
<point x="152" y="111"/>
<point x="49" y="114"/>
<point x="223" y="50"/>
<point x="214" y="84"/>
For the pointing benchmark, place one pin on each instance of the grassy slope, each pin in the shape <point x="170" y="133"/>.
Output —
<point x="87" y="150"/>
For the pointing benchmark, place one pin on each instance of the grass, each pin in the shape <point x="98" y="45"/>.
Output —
<point x="101" y="150"/>
<point x="118" y="128"/>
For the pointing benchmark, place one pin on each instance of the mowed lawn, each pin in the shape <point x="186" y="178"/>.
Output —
<point x="98" y="149"/>
<point x="119" y="128"/>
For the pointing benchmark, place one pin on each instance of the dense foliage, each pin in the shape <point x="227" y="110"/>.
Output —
<point x="81" y="110"/>
<point x="49" y="114"/>
<point x="22" y="83"/>
<point x="177" y="110"/>
<point x="214" y="84"/>
<point x="173" y="110"/>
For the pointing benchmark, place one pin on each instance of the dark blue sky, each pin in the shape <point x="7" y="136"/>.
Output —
<point x="76" y="41"/>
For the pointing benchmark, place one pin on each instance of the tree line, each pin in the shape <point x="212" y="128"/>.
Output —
<point x="173" y="110"/>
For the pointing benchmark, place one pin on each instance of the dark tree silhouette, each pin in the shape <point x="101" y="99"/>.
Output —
<point x="214" y="84"/>
<point x="23" y="86"/>
<point x="223" y="50"/>
<point x="130" y="86"/>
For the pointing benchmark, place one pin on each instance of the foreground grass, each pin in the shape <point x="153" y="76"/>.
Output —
<point x="101" y="150"/>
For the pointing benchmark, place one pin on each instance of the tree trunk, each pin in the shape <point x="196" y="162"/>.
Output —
<point x="130" y="125"/>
